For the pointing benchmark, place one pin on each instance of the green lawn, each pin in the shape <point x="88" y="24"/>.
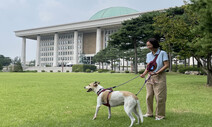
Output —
<point x="60" y="100"/>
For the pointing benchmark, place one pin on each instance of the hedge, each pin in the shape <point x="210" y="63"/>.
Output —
<point x="103" y="70"/>
<point x="141" y="71"/>
<point x="83" y="67"/>
<point x="184" y="69"/>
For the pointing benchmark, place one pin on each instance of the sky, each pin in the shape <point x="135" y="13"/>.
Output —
<point x="26" y="14"/>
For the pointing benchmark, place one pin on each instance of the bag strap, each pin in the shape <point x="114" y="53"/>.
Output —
<point x="156" y="57"/>
<point x="153" y="61"/>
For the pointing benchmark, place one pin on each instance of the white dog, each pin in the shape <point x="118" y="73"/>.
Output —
<point x="116" y="98"/>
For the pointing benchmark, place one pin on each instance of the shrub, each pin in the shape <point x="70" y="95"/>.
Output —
<point x="59" y="71"/>
<point x="127" y="71"/>
<point x="43" y="71"/>
<point x="67" y="70"/>
<point x="31" y="71"/>
<point x="141" y="71"/>
<point x="102" y="70"/>
<point x="88" y="70"/>
<point x="48" y="65"/>
<point x="202" y="72"/>
<point x="76" y="70"/>
<point x="174" y="68"/>
<point x="112" y="71"/>
<point x="51" y="71"/>
<point x="83" y="67"/>
<point x="18" y="67"/>
<point x="184" y="69"/>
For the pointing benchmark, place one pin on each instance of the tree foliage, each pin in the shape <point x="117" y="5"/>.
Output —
<point x="203" y="31"/>
<point x="134" y="33"/>
<point x="5" y="61"/>
<point x="187" y="32"/>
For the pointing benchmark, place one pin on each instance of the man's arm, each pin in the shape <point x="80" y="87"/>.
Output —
<point x="165" y="66"/>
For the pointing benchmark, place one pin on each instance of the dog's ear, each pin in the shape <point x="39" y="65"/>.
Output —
<point x="95" y="84"/>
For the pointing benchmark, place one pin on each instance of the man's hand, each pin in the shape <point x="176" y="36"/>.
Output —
<point x="142" y="75"/>
<point x="152" y="73"/>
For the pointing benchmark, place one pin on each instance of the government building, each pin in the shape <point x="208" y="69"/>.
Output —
<point x="69" y="43"/>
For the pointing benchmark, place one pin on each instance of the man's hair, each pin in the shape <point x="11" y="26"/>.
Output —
<point x="154" y="42"/>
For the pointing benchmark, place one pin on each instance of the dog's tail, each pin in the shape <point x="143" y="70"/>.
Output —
<point x="139" y="111"/>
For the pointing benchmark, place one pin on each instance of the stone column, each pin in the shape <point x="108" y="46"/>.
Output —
<point x="23" y="53"/>
<point x="75" y="47"/>
<point x="38" y="52"/>
<point x="98" y="39"/>
<point x="55" y="59"/>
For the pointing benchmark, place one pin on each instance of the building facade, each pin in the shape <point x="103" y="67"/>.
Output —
<point x="69" y="43"/>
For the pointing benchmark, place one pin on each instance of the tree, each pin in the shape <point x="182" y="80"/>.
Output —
<point x="1" y="67"/>
<point x="5" y="61"/>
<point x="203" y="31"/>
<point x="174" y="32"/>
<point x="18" y="67"/>
<point x="134" y="33"/>
<point x="188" y="33"/>
<point x="101" y="58"/>
<point x="32" y="63"/>
<point x="16" y="60"/>
<point x="112" y="55"/>
<point x="142" y="54"/>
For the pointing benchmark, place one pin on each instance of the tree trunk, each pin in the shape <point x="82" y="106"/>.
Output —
<point x="185" y="62"/>
<point x="209" y="68"/>
<point x="111" y="64"/>
<point x="176" y="68"/>
<point x="136" y="59"/>
<point x="123" y="66"/>
<point x="114" y="65"/>
<point x="193" y="61"/>
<point x="102" y="65"/>
<point x="127" y="65"/>
<point x="209" y="78"/>
<point x="119" y="64"/>
<point x="99" y="65"/>
<point x="170" y="62"/>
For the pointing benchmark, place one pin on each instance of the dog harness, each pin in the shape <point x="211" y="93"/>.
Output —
<point x="102" y="90"/>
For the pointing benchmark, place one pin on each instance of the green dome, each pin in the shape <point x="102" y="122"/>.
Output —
<point x="112" y="11"/>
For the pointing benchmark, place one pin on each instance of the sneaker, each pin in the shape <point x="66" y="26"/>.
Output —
<point x="147" y="115"/>
<point x="159" y="118"/>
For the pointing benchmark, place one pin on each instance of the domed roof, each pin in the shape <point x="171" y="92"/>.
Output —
<point x="112" y="11"/>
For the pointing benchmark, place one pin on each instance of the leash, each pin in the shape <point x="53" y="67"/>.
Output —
<point x="110" y="88"/>
<point x="125" y="82"/>
<point x="143" y="85"/>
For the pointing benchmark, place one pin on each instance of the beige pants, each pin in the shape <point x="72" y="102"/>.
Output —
<point x="156" y="85"/>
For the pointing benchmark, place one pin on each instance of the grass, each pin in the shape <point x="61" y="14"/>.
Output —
<point x="59" y="100"/>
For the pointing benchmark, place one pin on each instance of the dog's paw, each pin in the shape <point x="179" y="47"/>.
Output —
<point x="94" y="118"/>
<point x="108" y="117"/>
